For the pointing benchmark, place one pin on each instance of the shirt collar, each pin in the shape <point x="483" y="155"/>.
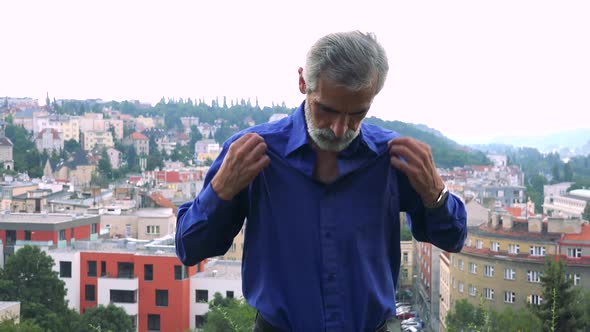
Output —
<point x="298" y="136"/>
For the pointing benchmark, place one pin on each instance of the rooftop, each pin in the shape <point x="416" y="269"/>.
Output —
<point x="40" y="218"/>
<point x="221" y="269"/>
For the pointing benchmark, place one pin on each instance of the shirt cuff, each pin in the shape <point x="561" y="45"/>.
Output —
<point x="209" y="201"/>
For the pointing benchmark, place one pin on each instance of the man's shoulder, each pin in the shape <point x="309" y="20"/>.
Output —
<point x="272" y="132"/>
<point x="378" y="136"/>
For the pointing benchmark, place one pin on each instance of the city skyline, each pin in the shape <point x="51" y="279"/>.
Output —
<point x="472" y="71"/>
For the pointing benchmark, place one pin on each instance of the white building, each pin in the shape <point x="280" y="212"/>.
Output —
<point x="224" y="277"/>
<point x="571" y="204"/>
<point x="49" y="139"/>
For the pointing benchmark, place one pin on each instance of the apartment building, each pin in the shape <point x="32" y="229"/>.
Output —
<point x="52" y="230"/>
<point x="96" y="139"/>
<point x="569" y="204"/>
<point x="504" y="258"/>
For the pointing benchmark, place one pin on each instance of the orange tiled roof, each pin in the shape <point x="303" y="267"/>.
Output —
<point x="583" y="236"/>
<point x="138" y="136"/>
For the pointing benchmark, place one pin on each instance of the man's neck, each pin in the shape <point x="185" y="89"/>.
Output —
<point x="326" y="165"/>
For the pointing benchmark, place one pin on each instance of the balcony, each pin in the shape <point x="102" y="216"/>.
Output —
<point x="109" y="282"/>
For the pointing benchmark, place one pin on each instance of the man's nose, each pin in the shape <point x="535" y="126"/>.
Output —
<point x="339" y="126"/>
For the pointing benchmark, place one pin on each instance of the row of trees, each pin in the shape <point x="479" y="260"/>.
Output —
<point x="28" y="277"/>
<point x="564" y="308"/>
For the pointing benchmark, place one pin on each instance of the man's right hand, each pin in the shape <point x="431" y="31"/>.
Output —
<point x="244" y="160"/>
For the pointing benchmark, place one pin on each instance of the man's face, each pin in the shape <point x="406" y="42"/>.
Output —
<point x="334" y="114"/>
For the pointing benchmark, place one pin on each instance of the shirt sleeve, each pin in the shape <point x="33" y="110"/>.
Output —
<point x="206" y="226"/>
<point x="444" y="227"/>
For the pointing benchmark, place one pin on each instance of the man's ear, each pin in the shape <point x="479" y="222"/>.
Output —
<point x="302" y="87"/>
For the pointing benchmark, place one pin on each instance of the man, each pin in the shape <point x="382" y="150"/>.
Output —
<point x="322" y="194"/>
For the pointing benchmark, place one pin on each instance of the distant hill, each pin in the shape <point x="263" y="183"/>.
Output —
<point x="577" y="140"/>
<point x="445" y="152"/>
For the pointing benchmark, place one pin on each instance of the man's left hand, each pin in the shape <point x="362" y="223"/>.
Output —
<point x="414" y="159"/>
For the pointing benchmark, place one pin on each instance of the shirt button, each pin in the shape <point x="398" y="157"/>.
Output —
<point x="331" y="276"/>
<point x="328" y="235"/>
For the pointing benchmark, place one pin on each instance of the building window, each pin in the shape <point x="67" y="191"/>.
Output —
<point x="93" y="229"/>
<point x="454" y="283"/>
<point x="472" y="268"/>
<point x="575" y="277"/>
<point x="125" y="270"/>
<point x="62" y="235"/>
<point x="178" y="272"/>
<point x="534" y="299"/>
<point x="89" y="293"/>
<point x="148" y="272"/>
<point x="404" y="274"/>
<point x="469" y="242"/>
<point x="91" y="269"/>
<point x="472" y="290"/>
<point x="103" y="268"/>
<point x="574" y="252"/>
<point x="65" y="269"/>
<point x="495" y="246"/>
<point x="27" y="235"/>
<point x="199" y="321"/>
<point x="509" y="274"/>
<point x="153" y="229"/>
<point x="229" y="294"/>
<point x="489" y="293"/>
<point x="479" y="244"/>
<point x="489" y="271"/>
<point x="123" y="296"/>
<point x="537" y="251"/>
<point x="72" y="233"/>
<point x="453" y="261"/>
<point x="202" y="295"/>
<point x="461" y="287"/>
<point x="161" y="297"/>
<point x="509" y="297"/>
<point x="534" y="276"/>
<point x="405" y="257"/>
<point x="128" y="230"/>
<point x="514" y="249"/>
<point x="153" y="322"/>
<point x="461" y="264"/>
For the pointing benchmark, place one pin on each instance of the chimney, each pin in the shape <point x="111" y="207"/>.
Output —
<point x="495" y="220"/>
<point x="507" y="222"/>
<point x="535" y="225"/>
<point x="563" y="225"/>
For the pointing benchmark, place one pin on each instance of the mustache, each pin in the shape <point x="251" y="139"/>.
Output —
<point x="328" y="134"/>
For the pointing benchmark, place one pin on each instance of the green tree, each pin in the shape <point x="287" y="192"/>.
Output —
<point x="109" y="318"/>
<point x="104" y="165"/>
<point x="28" y="277"/>
<point x="561" y="308"/>
<point x="10" y="325"/>
<point x="72" y="146"/>
<point x="555" y="174"/>
<point x="517" y="320"/>
<point x="131" y="157"/>
<point x="229" y="315"/>
<point x="464" y="314"/>
<point x="568" y="174"/>
<point x="586" y="213"/>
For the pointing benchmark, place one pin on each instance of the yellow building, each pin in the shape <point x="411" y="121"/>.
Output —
<point x="234" y="253"/>
<point x="503" y="260"/>
<point x="92" y="139"/>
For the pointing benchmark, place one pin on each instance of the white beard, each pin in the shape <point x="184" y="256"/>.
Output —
<point x="325" y="137"/>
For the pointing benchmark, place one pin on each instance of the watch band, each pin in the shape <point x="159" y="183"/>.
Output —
<point x="441" y="199"/>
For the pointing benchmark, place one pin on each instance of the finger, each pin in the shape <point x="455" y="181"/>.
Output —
<point x="401" y="165"/>
<point x="406" y="154"/>
<point x="256" y="152"/>
<point x="250" y="141"/>
<point x="261" y="163"/>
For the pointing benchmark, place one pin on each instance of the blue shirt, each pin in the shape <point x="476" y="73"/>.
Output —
<point x="318" y="257"/>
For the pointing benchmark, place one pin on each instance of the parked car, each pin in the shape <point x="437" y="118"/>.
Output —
<point x="399" y="310"/>
<point x="402" y="304"/>
<point x="413" y="321"/>
<point x="411" y="329"/>
<point x="407" y="314"/>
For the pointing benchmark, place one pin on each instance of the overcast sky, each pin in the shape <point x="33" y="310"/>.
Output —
<point x="471" y="69"/>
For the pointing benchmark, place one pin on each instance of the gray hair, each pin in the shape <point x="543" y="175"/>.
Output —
<point x="351" y="59"/>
